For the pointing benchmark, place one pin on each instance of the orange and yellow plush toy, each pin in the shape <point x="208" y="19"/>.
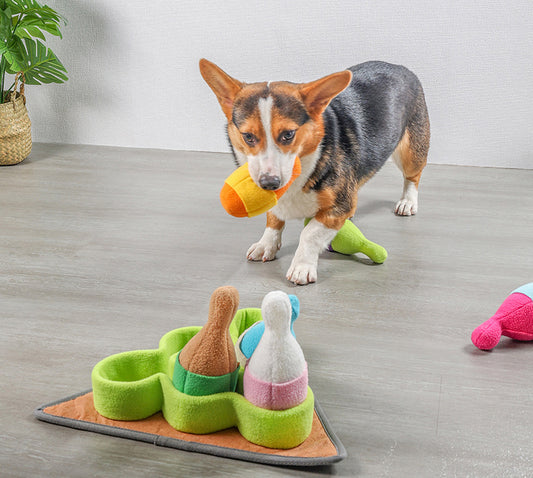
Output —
<point x="241" y="197"/>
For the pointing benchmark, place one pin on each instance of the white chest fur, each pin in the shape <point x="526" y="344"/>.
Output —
<point x="296" y="204"/>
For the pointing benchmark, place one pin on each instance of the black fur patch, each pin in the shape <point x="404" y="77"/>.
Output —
<point x="364" y="124"/>
<point x="245" y="107"/>
<point x="291" y="107"/>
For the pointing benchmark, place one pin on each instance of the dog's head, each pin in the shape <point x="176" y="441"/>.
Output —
<point x="270" y="124"/>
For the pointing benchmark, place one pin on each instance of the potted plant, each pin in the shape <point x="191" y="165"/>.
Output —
<point x="23" y="24"/>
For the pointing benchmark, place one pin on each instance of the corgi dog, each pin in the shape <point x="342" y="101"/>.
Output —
<point x="343" y="127"/>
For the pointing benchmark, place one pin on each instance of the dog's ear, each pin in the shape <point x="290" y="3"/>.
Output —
<point x="224" y="86"/>
<point x="317" y="94"/>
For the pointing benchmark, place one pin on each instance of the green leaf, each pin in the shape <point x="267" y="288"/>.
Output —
<point x="30" y="14"/>
<point x="31" y="22"/>
<point x="39" y="64"/>
<point x="28" y="31"/>
<point x="33" y="7"/>
<point x="5" y="26"/>
<point x="12" y="55"/>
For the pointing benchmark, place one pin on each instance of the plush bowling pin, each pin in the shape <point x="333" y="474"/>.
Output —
<point x="513" y="319"/>
<point x="248" y="340"/>
<point x="275" y="376"/>
<point x="350" y="240"/>
<point x="207" y="364"/>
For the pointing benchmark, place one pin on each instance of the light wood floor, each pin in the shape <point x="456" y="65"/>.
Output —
<point x="104" y="250"/>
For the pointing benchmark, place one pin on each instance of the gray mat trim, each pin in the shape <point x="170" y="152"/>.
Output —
<point x="159" y="440"/>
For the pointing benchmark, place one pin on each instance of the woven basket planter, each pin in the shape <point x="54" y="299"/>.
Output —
<point x="15" y="128"/>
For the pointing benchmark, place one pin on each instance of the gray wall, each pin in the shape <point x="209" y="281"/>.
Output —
<point x="134" y="78"/>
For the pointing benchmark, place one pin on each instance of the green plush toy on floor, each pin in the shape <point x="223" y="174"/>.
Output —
<point x="350" y="240"/>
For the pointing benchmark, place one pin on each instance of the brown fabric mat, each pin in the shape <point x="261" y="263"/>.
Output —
<point x="320" y="447"/>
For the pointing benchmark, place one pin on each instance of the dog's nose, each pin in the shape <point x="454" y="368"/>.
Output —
<point x="268" y="182"/>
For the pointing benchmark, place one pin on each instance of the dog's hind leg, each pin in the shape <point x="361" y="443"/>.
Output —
<point x="411" y="156"/>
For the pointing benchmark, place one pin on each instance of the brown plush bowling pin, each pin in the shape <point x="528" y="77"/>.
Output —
<point x="211" y="351"/>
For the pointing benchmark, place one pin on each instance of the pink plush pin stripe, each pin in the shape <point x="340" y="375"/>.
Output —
<point x="275" y="396"/>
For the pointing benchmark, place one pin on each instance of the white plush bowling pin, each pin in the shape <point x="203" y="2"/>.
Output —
<point x="276" y="374"/>
<point x="248" y="340"/>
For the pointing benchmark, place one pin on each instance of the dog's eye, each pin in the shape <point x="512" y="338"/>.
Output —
<point x="249" y="138"/>
<point x="287" y="136"/>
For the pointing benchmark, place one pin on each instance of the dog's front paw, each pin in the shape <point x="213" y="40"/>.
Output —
<point x="302" y="273"/>
<point x="406" y="207"/>
<point x="261" y="251"/>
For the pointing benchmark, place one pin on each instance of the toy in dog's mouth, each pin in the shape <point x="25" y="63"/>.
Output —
<point x="242" y="197"/>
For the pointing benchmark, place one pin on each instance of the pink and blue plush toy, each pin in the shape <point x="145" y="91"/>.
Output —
<point x="275" y="375"/>
<point x="247" y="342"/>
<point x="513" y="319"/>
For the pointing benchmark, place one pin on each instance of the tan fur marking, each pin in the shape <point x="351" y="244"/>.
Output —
<point x="412" y="150"/>
<point x="250" y="89"/>
<point x="273" y="222"/>
<point x="224" y="86"/>
<point x="309" y="136"/>
<point x="284" y="87"/>
<point x="331" y="222"/>
<point x="279" y="125"/>
<point x="411" y="165"/>
<point x="252" y="125"/>
<point x="319" y="93"/>
<point x="326" y="201"/>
